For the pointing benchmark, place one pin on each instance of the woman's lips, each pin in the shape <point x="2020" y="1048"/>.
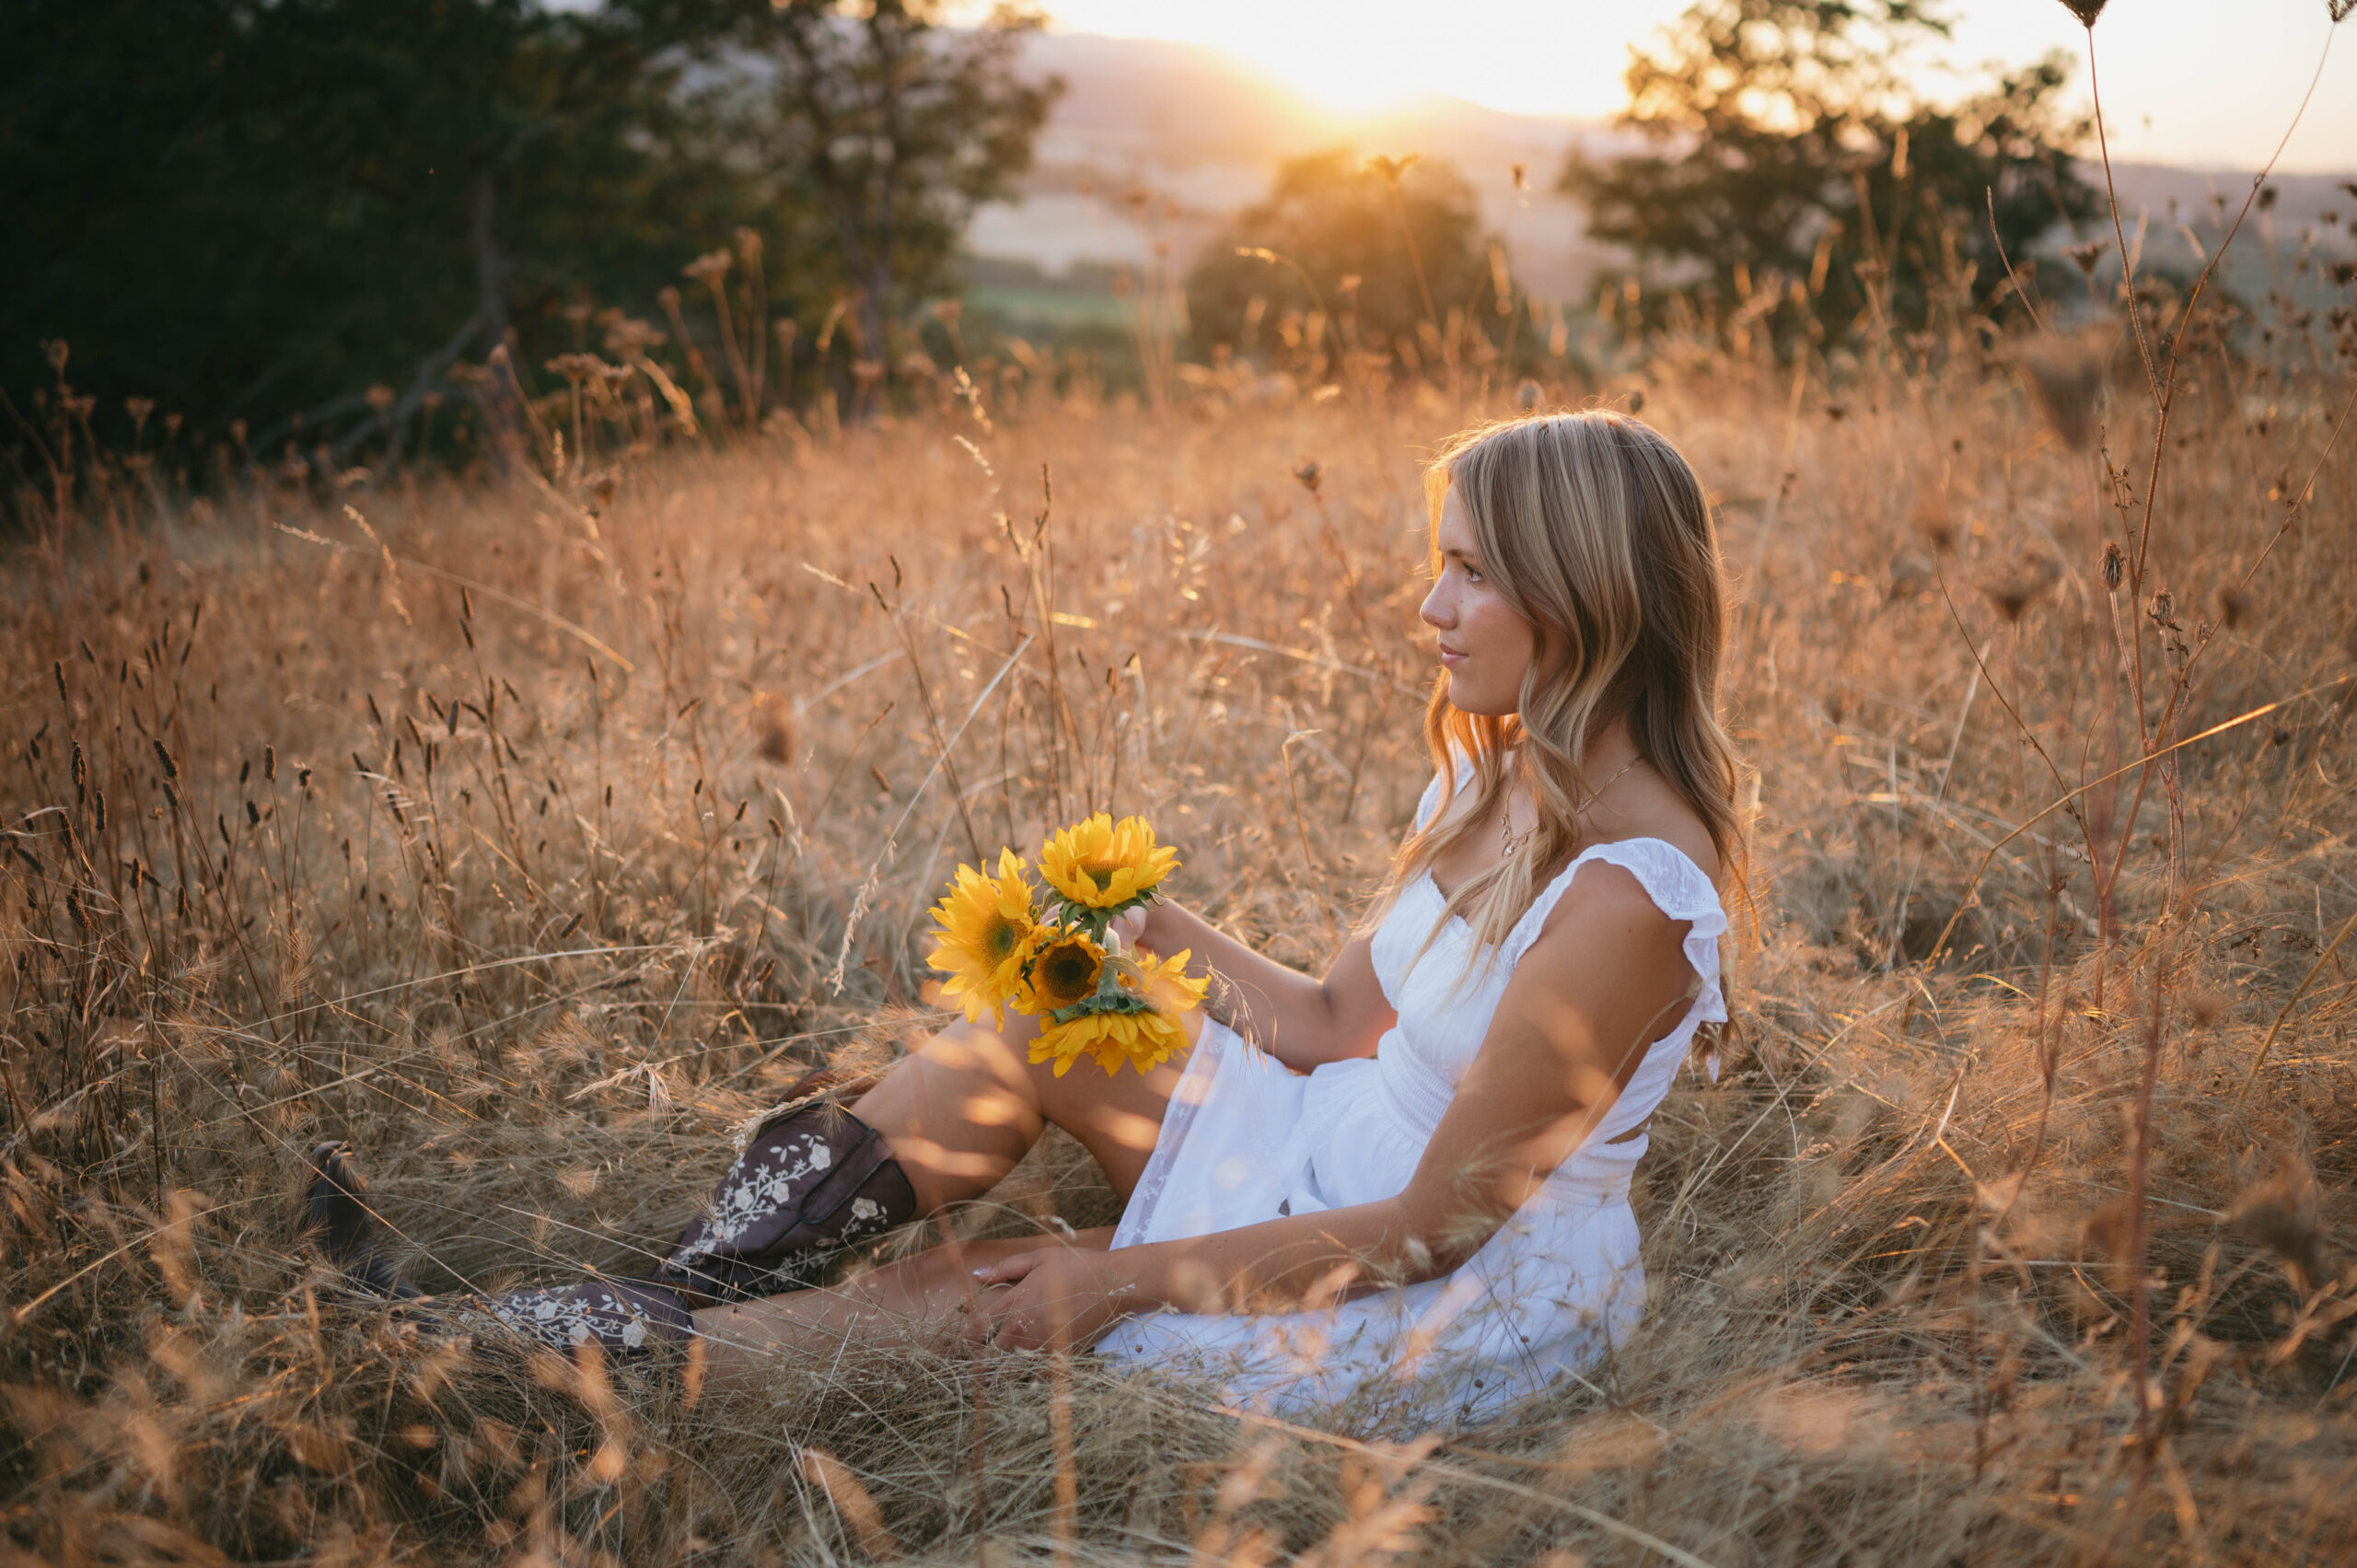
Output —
<point x="1449" y="656"/>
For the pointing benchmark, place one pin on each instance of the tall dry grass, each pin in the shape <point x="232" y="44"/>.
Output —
<point x="533" y="835"/>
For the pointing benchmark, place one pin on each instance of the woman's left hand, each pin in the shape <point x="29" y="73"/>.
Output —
<point x="1055" y="1299"/>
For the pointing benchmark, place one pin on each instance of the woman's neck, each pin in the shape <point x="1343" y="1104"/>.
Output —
<point x="1610" y="753"/>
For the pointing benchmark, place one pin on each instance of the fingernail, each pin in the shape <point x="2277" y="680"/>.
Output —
<point x="982" y="1273"/>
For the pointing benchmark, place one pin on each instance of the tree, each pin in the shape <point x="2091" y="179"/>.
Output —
<point x="254" y="208"/>
<point x="1789" y="134"/>
<point x="885" y="129"/>
<point x="257" y="211"/>
<point x="1406" y="231"/>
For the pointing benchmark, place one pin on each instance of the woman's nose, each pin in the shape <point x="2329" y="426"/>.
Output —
<point x="1435" y="610"/>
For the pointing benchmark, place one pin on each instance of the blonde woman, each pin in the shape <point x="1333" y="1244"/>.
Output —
<point x="1405" y="1184"/>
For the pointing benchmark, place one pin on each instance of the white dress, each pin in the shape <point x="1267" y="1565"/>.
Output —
<point x="1247" y="1140"/>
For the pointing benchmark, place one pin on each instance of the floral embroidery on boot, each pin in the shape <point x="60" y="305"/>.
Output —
<point x="813" y="1178"/>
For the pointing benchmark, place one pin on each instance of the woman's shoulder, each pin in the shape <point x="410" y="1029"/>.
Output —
<point x="1653" y="810"/>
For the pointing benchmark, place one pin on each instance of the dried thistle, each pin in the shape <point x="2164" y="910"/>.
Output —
<point x="2088" y="11"/>
<point x="1310" y="474"/>
<point x="2281" y="1214"/>
<point x="772" y="730"/>
<point x="2011" y="596"/>
<point x="2234" y="605"/>
<point x="2087" y="256"/>
<point x="2115" y="564"/>
<point x="2066" y="376"/>
<point x="2013" y="591"/>
<point x="1937" y="523"/>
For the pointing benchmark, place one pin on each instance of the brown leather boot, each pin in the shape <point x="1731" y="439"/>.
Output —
<point x="813" y="1179"/>
<point x="629" y="1320"/>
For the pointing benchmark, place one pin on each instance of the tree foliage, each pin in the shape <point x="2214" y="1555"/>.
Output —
<point x="1392" y="248"/>
<point x="1788" y="135"/>
<point x="885" y="129"/>
<point x="249" y="210"/>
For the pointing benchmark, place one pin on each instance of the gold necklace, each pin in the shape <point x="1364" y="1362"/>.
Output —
<point x="1510" y="842"/>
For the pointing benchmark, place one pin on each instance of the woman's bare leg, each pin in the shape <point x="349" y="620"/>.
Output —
<point x="917" y="1301"/>
<point x="959" y="1113"/>
<point x="962" y="1109"/>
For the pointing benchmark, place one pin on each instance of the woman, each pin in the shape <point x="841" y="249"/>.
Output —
<point x="1415" y="1191"/>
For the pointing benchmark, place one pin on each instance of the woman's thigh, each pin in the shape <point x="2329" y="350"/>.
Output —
<point x="1117" y="1117"/>
<point x="967" y="1104"/>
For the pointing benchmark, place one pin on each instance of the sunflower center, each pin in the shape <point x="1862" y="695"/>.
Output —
<point x="1000" y="937"/>
<point x="1068" y="974"/>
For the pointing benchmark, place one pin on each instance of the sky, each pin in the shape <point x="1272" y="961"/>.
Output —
<point x="2207" y="83"/>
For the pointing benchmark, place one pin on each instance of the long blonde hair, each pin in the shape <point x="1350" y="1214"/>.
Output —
<point x="1594" y="528"/>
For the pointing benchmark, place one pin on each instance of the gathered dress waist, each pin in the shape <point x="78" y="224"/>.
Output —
<point x="1413" y="1096"/>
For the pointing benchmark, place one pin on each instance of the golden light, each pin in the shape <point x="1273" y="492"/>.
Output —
<point x="1530" y="57"/>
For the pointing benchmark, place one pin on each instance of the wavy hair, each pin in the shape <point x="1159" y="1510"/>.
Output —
<point x="1595" y="530"/>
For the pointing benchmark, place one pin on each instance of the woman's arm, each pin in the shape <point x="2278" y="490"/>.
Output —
<point x="1300" y="1020"/>
<point x="1607" y="978"/>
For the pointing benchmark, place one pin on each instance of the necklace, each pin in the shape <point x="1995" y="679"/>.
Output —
<point x="1510" y="842"/>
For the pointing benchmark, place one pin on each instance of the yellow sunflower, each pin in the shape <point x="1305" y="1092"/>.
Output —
<point x="1145" y="1040"/>
<point x="985" y="935"/>
<point x="1166" y="982"/>
<point x="1064" y="972"/>
<point x="1100" y="864"/>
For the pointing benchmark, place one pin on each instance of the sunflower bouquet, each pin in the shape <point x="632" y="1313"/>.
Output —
<point x="1045" y="952"/>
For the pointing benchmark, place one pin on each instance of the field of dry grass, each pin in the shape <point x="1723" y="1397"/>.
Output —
<point x="533" y="835"/>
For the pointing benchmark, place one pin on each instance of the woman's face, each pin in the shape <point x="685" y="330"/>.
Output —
<point x="1485" y="644"/>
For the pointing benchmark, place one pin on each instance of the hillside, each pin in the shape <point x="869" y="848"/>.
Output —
<point x="1156" y="142"/>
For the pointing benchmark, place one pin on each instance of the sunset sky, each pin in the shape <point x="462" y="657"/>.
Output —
<point x="2208" y="83"/>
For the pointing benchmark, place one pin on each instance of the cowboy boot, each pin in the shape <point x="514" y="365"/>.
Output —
<point x="628" y="1319"/>
<point x="339" y="1222"/>
<point x="813" y="1178"/>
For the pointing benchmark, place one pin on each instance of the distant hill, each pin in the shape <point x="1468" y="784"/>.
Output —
<point x="1155" y="143"/>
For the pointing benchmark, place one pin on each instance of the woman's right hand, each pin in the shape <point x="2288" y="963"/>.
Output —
<point x="1131" y="927"/>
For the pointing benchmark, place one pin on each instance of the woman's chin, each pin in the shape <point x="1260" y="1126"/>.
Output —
<point x="1467" y="698"/>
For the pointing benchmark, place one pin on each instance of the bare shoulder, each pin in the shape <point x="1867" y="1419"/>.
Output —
<point x="1657" y="810"/>
<point x="1606" y="907"/>
<point x="1606" y="950"/>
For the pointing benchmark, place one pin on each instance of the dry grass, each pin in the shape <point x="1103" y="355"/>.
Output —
<point x="533" y="849"/>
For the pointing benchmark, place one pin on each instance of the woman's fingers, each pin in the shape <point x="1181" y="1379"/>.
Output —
<point x="1007" y="1269"/>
